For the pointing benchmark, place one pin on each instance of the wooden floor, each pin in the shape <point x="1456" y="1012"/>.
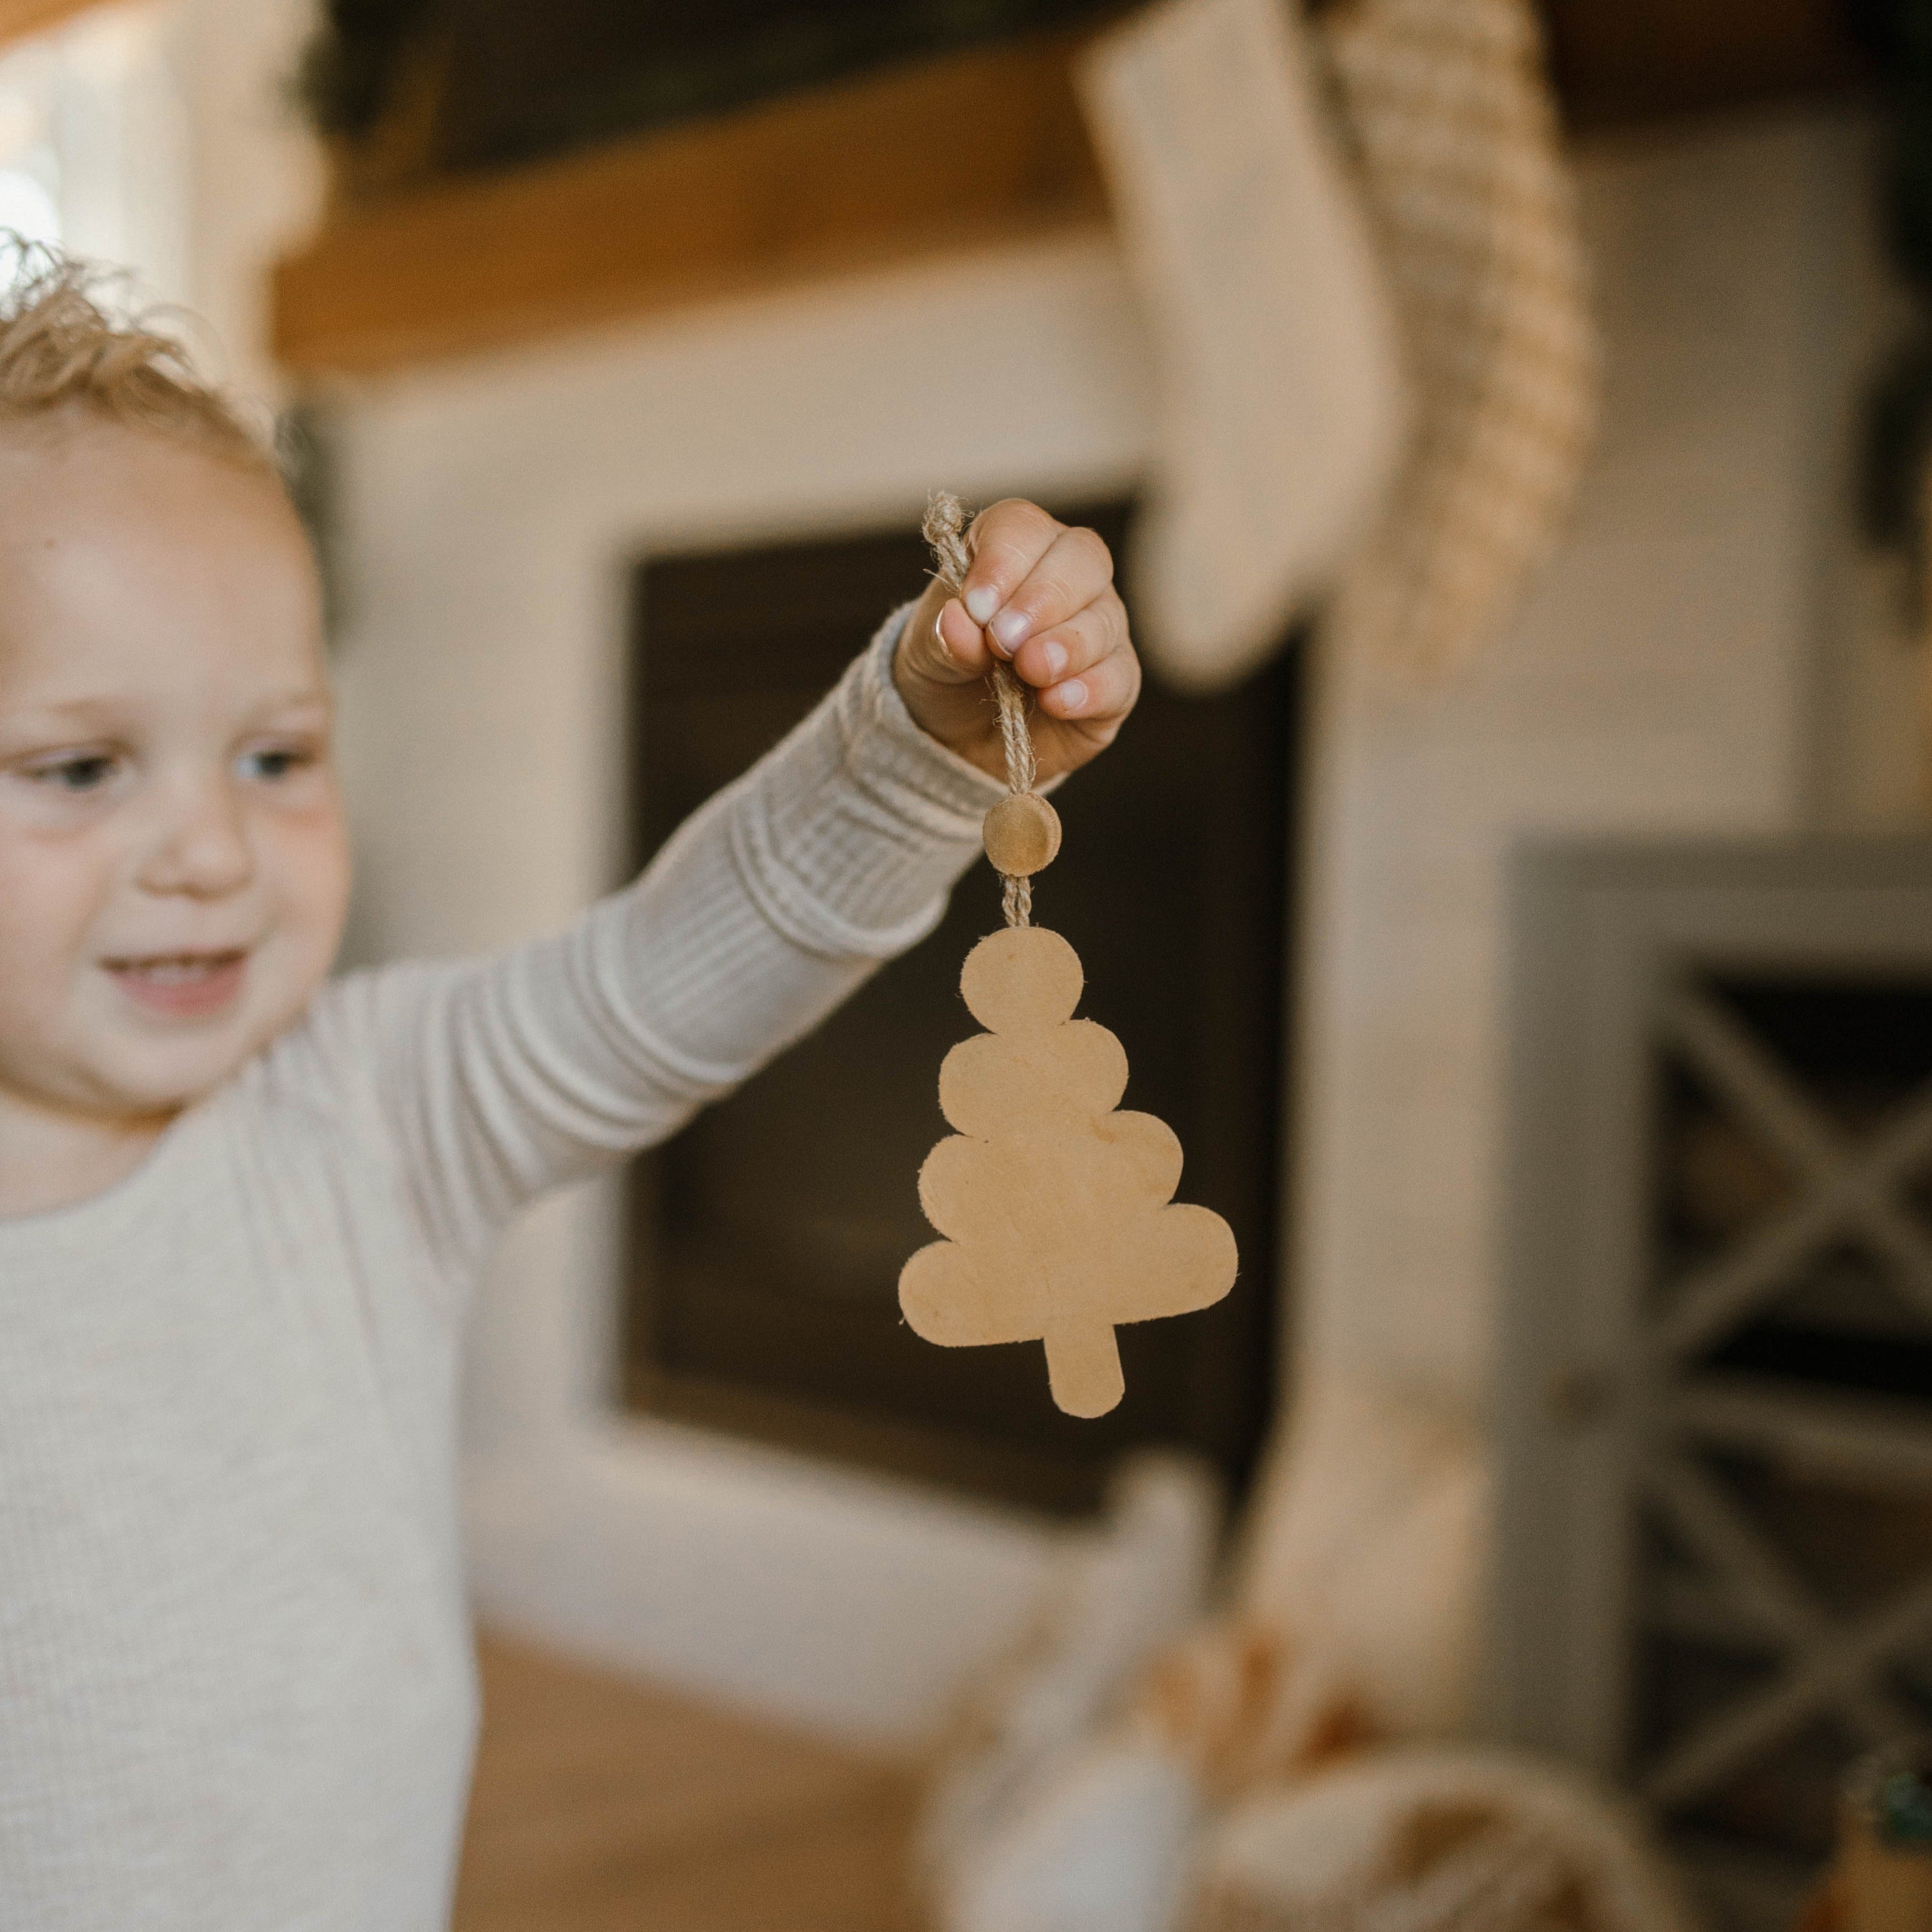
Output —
<point x="600" y="1805"/>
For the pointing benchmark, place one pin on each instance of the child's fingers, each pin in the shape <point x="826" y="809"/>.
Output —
<point x="1076" y="568"/>
<point x="1099" y="698"/>
<point x="1070" y="648"/>
<point x="1008" y="538"/>
<point x="1050" y="589"/>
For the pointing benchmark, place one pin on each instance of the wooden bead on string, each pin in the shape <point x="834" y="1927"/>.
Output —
<point x="1022" y="835"/>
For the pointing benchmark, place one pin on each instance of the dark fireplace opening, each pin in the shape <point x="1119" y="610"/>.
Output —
<point x="765" y="1240"/>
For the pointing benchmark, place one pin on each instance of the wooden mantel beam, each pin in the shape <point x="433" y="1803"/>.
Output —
<point x="957" y="150"/>
<point x="974" y="148"/>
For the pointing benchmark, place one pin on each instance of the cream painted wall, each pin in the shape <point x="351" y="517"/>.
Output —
<point x="256" y="178"/>
<point x="1667" y="676"/>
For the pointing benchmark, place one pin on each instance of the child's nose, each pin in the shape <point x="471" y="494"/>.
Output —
<point x="203" y="849"/>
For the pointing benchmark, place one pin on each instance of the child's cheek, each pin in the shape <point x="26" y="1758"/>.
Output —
<point x="52" y="888"/>
<point x="307" y="848"/>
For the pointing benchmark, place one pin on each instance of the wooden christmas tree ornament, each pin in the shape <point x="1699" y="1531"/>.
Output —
<point x="1056" y="1208"/>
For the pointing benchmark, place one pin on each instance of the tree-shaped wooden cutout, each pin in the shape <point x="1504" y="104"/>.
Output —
<point x="1056" y="1208"/>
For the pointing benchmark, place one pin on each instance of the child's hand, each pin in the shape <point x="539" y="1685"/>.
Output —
<point x="1045" y="595"/>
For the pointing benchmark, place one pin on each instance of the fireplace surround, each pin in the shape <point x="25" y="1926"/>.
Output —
<point x="764" y="1241"/>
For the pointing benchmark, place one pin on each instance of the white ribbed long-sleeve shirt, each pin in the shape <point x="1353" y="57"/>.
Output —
<point x="236" y="1688"/>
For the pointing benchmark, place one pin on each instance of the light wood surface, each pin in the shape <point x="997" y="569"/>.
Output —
<point x="1055" y="1208"/>
<point x="602" y="1805"/>
<point x="30" y="16"/>
<point x="979" y="147"/>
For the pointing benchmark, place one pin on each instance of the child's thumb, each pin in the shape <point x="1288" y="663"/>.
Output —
<point x="951" y="649"/>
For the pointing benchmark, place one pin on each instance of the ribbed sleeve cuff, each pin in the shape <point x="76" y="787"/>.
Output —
<point x="849" y="835"/>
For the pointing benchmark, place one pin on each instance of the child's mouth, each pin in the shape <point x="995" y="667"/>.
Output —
<point x="181" y="986"/>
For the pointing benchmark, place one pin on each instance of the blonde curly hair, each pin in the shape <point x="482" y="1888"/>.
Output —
<point x="64" y="348"/>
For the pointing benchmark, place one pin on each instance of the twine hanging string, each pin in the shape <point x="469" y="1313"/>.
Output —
<point x="945" y="530"/>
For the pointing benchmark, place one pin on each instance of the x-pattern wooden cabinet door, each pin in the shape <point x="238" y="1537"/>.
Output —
<point x="1715" y="1577"/>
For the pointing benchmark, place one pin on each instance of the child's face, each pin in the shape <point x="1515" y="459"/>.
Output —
<point x="173" y="872"/>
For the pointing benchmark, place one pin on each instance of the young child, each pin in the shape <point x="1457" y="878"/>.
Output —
<point x="241" y="1207"/>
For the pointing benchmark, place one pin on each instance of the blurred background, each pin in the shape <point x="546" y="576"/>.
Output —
<point x="1512" y="421"/>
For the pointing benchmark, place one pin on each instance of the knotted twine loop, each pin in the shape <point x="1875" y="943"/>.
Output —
<point x="945" y="530"/>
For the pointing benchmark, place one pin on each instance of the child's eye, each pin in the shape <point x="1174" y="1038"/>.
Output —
<point x="277" y="761"/>
<point x="88" y="772"/>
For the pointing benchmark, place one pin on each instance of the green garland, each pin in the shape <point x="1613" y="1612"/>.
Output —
<point x="661" y="64"/>
<point x="1897" y="442"/>
<point x="342" y="81"/>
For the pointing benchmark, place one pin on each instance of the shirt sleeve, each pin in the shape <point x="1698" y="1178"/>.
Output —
<point x="775" y="902"/>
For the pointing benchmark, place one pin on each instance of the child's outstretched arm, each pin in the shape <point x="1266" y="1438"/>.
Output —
<point x="771" y="905"/>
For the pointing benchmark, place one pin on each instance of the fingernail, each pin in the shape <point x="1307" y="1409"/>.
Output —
<point x="1056" y="659"/>
<point x="981" y="602"/>
<point x="1009" y="630"/>
<point x="1073" y="695"/>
